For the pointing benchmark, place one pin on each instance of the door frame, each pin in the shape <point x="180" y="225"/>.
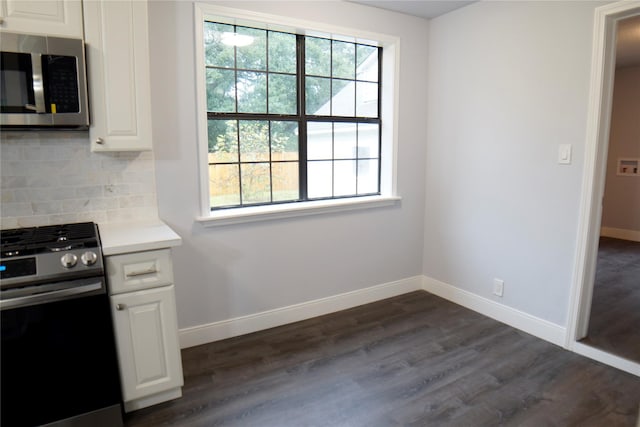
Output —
<point x="595" y="167"/>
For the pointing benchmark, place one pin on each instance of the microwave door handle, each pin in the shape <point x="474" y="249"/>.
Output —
<point x="38" y="83"/>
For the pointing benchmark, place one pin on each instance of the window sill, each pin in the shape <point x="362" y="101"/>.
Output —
<point x="265" y="213"/>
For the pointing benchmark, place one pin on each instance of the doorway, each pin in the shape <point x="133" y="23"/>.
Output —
<point x="599" y="121"/>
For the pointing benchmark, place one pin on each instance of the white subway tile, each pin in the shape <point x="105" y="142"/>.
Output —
<point x="53" y="177"/>
<point x="16" y="209"/>
<point x="33" y="221"/>
<point x="47" y="208"/>
<point x="8" y="223"/>
<point x="7" y="196"/>
<point x="89" y="191"/>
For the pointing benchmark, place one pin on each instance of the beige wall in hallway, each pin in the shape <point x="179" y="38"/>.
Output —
<point x="621" y="207"/>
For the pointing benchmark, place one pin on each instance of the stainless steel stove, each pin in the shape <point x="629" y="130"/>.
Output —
<point x="58" y="358"/>
<point x="46" y="254"/>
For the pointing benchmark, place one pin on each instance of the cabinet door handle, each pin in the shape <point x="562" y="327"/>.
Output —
<point x="99" y="141"/>
<point x="120" y="307"/>
<point x="142" y="272"/>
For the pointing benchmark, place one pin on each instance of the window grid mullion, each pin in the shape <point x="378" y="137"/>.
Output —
<point x="357" y="155"/>
<point x="266" y="76"/>
<point x="302" y="122"/>
<point x="235" y="73"/>
<point x="333" y="157"/>
<point x="270" y="161"/>
<point x="239" y="162"/>
<point x="379" y="115"/>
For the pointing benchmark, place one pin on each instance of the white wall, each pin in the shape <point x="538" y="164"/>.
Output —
<point x="621" y="208"/>
<point x="508" y="83"/>
<point x="231" y="271"/>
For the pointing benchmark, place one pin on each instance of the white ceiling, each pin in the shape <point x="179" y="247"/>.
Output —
<point x="628" y="46"/>
<point x="422" y="8"/>
<point x="627" y="49"/>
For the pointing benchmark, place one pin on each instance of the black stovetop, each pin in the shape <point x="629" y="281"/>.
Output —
<point x="50" y="238"/>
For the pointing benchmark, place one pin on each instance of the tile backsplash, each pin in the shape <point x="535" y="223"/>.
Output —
<point x="54" y="178"/>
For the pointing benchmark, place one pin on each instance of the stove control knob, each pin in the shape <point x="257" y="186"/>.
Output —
<point x="69" y="260"/>
<point x="89" y="258"/>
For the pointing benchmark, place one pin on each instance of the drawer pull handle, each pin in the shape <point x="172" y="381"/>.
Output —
<point x="120" y="307"/>
<point x="142" y="272"/>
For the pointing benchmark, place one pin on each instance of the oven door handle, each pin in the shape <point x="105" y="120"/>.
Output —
<point x="51" y="296"/>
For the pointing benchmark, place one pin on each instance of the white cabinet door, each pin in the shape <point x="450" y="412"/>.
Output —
<point x="117" y="45"/>
<point x="61" y="18"/>
<point x="147" y="341"/>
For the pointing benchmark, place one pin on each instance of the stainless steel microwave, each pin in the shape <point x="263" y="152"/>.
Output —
<point x="43" y="82"/>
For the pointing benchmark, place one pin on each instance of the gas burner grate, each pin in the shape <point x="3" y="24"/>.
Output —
<point x="48" y="238"/>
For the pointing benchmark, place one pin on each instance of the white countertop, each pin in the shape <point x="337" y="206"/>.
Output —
<point x="120" y="238"/>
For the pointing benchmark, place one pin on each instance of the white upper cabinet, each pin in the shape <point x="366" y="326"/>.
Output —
<point x="61" y="18"/>
<point x="117" y="46"/>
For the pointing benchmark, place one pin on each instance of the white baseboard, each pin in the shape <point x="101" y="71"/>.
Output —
<point x="203" y="334"/>
<point x="520" y="320"/>
<point x="620" y="233"/>
<point x="607" y="358"/>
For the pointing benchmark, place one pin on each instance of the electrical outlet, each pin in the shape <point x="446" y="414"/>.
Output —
<point x="498" y="287"/>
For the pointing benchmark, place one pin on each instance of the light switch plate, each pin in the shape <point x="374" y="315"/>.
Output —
<point x="564" y="154"/>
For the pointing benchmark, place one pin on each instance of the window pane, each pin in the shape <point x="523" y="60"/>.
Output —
<point x="344" y="60"/>
<point x="282" y="52"/>
<point x="254" y="140"/>
<point x="317" y="57"/>
<point x="344" y="140"/>
<point x="256" y="183"/>
<point x="319" y="179"/>
<point x="224" y="185"/>
<point x="368" y="140"/>
<point x="366" y="99"/>
<point x="343" y="102"/>
<point x="217" y="53"/>
<point x="254" y="55"/>
<point x="284" y="141"/>
<point x="318" y="94"/>
<point x="367" y="176"/>
<point x="367" y="63"/>
<point x="282" y="94"/>
<point x="223" y="141"/>
<point x="285" y="181"/>
<point x="344" y="178"/>
<point x="319" y="141"/>
<point x="221" y="91"/>
<point x="252" y="92"/>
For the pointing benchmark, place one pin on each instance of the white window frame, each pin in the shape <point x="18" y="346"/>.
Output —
<point x="388" y="116"/>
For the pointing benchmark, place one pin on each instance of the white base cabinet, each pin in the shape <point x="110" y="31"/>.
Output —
<point x="147" y="342"/>
<point x="146" y="327"/>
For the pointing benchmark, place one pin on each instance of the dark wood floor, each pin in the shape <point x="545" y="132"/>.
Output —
<point x="614" y="325"/>
<point x="412" y="360"/>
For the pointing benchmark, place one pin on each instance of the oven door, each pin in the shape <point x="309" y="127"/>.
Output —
<point x="58" y="359"/>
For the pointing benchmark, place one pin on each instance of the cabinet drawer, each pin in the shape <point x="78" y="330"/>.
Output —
<point x="139" y="270"/>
